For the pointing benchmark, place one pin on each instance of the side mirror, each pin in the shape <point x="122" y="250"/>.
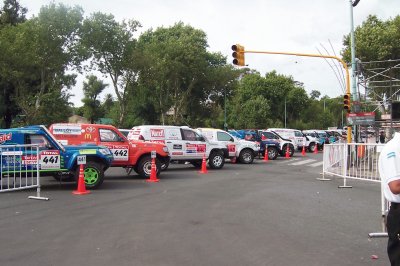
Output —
<point x="232" y="140"/>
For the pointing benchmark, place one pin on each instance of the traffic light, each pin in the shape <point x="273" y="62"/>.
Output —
<point x="346" y="102"/>
<point x="238" y="55"/>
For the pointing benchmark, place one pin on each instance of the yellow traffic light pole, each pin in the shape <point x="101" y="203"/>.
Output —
<point x="320" y="56"/>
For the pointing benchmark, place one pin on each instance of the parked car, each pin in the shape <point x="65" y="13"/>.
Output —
<point x="284" y="143"/>
<point x="184" y="144"/>
<point x="271" y="145"/>
<point x="54" y="158"/>
<point x="244" y="150"/>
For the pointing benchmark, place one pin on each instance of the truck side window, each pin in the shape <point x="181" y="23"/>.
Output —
<point x="188" y="135"/>
<point x="108" y="135"/>
<point x="222" y="136"/>
<point x="38" y="140"/>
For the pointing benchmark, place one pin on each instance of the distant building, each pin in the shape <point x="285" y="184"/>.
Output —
<point x="77" y="119"/>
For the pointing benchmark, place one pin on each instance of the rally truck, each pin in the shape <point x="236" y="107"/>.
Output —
<point x="52" y="157"/>
<point x="129" y="154"/>
<point x="244" y="150"/>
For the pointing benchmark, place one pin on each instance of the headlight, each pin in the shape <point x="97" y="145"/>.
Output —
<point x="165" y="149"/>
<point x="105" y="151"/>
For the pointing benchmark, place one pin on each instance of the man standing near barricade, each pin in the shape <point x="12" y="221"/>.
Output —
<point x="389" y="170"/>
<point x="382" y="137"/>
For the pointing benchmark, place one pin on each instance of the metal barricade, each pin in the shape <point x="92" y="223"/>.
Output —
<point x="358" y="161"/>
<point x="19" y="169"/>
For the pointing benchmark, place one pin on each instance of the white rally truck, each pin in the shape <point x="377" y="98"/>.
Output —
<point x="244" y="150"/>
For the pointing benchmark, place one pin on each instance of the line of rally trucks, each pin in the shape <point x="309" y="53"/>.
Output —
<point x="106" y="146"/>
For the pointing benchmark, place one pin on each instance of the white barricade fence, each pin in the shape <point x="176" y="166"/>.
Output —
<point x="19" y="168"/>
<point x="358" y="161"/>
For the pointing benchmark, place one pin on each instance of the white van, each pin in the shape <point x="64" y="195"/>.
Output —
<point x="244" y="150"/>
<point x="184" y="144"/>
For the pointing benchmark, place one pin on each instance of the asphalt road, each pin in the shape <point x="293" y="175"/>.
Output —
<point x="273" y="213"/>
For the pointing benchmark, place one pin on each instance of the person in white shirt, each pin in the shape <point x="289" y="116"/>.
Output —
<point x="389" y="171"/>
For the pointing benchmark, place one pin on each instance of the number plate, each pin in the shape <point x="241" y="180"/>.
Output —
<point x="120" y="153"/>
<point x="50" y="160"/>
<point x="81" y="159"/>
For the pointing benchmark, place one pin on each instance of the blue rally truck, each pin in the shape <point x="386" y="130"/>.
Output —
<point x="54" y="158"/>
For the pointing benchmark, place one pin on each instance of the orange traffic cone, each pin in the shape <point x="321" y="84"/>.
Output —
<point x="316" y="150"/>
<point x="81" y="183"/>
<point x="303" y="151"/>
<point x="153" y="173"/>
<point x="266" y="155"/>
<point x="204" y="166"/>
<point x="287" y="155"/>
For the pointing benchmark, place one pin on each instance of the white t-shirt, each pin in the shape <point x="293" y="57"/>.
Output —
<point x="389" y="167"/>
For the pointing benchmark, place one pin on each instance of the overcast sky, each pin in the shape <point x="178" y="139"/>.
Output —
<point x="269" y="25"/>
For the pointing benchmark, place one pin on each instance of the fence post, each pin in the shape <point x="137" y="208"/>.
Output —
<point x="346" y="162"/>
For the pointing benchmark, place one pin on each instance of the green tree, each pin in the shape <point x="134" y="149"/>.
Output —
<point x="180" y="75"/>
<point x="11" y="14"/>
<point x="112" y="45"/>
<point x="92" y="90"/>
<point x="36" y="57"/>
<point x="314" y="95"/>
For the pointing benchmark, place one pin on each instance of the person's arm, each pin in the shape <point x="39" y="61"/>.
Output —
<point x="395" y="186"/>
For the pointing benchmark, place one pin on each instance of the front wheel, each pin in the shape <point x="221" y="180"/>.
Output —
<point x="312" y="147"/>
<point x="144" y="167"/>
<point x="291" y="150"/>
<point x="216" y="160"/>
<point x="246" y="156"/>
<point x="93" y="174"/>
<point x="272" y="153"/>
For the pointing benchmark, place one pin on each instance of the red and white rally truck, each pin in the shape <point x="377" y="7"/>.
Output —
<point x="130" y="154"/>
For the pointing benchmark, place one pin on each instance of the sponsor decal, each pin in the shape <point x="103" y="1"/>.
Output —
<point x="177" y="147"/>
<point x="29" y="159"/>
<point x="201" y="148"/>
<point x="5" y="137"/>
<point x="90" y="129"/>
<point x="231" y="148"/>
<point x="156" y="141"/>
<point x="157" y="133"/>
<point x="11" y="153"/>
<point x="195" y="148"/>
<point x="191" y="148"/>
<point x="173" y="133"/>
<point x="50" y="152"/>
<point x="67" y="129"/>
<point x="88" y="136"/>
<point x="87" y="151"/>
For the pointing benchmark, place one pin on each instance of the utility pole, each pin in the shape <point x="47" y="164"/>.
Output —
<point x="285" y="112"/>
<point x="356" y="106"/>
<point x="225" y="124"/>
